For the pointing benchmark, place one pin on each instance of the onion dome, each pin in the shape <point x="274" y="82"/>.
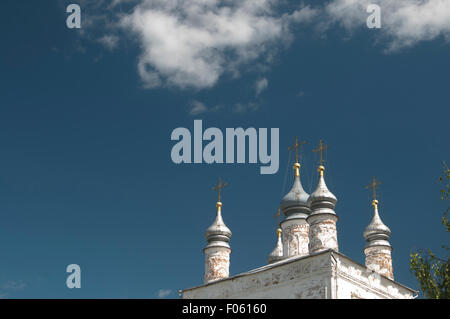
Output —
<point x="218" y="234"/>
<point x="322" y="197"/>
<point x="296" y="201"/>
<point x="277" y="253"/>
<point x="377" y="233"/>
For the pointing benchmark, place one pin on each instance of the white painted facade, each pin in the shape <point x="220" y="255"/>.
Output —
<point x="324" y="275"/>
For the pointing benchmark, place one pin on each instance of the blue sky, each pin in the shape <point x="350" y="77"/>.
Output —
<point x="86" y="116"/>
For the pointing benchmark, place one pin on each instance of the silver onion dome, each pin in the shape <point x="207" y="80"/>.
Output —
<point x="296" y="201"/>
<point x="277" y="253"/>
<point x="218" y="234"/>
<point x="377" y="233"/>
<point x="322" y="197"/>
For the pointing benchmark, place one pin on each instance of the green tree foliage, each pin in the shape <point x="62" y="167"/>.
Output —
<point x="433" y="273"/>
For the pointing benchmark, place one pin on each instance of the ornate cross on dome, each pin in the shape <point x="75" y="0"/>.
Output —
<point x="320" y="149"/>
<point x="374" y="185"/>
<point x="296" y="146"/>
<point x="219" y="187"/>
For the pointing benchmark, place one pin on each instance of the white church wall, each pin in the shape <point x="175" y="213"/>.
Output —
<point x="323" y="275"/>
<point x="291" y="278"/>
<point x="354" y="281"/>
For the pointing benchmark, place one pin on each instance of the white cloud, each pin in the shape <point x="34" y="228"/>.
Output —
<point x="198" y="107"/>
<point x="162" y="293"/>
<point x="13" y="285"/>
<point x="115" y="3"/>
<point x="404" y="22"/>
<point x="109" y="41"/>
<point x="191" y="44"/>
<point x="244" y="108"/>
<point x="261" y="85"/>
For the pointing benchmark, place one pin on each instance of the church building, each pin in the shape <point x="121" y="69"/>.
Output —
<point x="306" y="262"/>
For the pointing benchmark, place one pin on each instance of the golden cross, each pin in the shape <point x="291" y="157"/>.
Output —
<point x="219" y="187"/>
<point x="296" y="146"/>
<point x="374" y="185"/>
<point x="321" y="148"/>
